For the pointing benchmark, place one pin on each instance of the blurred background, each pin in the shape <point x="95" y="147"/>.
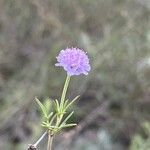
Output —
<point x="114" y="108"/>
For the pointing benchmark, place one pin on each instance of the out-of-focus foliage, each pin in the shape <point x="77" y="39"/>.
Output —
<point x="116" y="35"/>
<point x="141" y="143"/>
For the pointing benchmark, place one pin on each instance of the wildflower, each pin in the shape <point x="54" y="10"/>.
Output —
<point x="74" y="61"/>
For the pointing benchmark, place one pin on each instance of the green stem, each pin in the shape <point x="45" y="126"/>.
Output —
<point x="59" y="118"/>
<point x="62" y="100"/>
<point x="50" y="141"/>
<point x="64" y="91"/>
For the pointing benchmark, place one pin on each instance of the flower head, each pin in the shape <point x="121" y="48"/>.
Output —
<point x="74" y="61"/>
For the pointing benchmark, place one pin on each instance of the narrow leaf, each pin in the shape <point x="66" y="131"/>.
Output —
<point x="69" y="125"/>
<point x="72" y="101"/>
<point x="43" y="109"/>
<point x="57" y="107"/>
<point x="65" y="104"/>
<point x="64" y="122"/>
<point x="52" y="119"/>
<point x="50" y="115"/>
<point x="47" y="104"/>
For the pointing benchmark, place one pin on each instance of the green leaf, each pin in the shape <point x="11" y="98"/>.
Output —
<point x="65" y="104"/>
<point x="43" y="109"/>
<point x="50" y="115"/>
<point x="45" y="123"/>
<point x="53" y="127"/>
<point x="64" y="122"/>
<point x="52" y="119"/>
<point x="68" y="125"/>
<point x="72" y="101"/>
<point x="47" y="104"/>
<point x="56" y="105"/>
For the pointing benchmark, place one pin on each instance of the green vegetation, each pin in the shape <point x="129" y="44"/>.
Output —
<point x="116" y="35"/>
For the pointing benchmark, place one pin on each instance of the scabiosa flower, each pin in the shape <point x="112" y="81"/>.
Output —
<point x="74" y="61"/>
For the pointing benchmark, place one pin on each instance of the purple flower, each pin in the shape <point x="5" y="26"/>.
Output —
<point x="74" y="61"/>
